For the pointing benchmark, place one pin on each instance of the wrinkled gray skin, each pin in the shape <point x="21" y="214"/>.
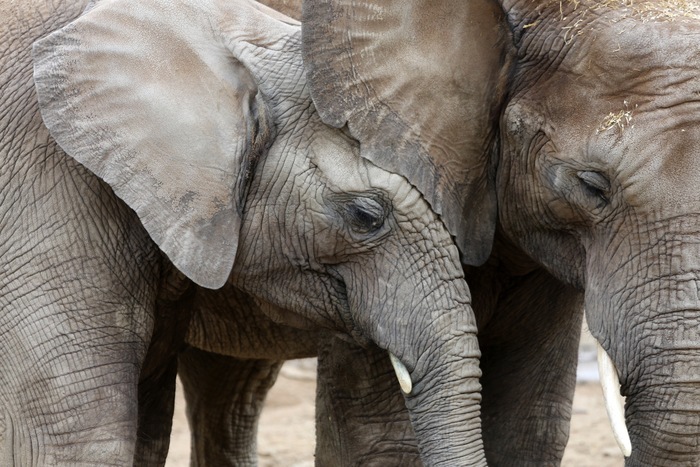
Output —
<point x="291" y="8"/>
<point x="360" y="411"/>
<point x="580" y="120"/>
<point x="197" y="117"/>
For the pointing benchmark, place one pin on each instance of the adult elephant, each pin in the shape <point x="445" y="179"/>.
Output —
<point x="194" y="158"/>
<point x="563" y="138"/>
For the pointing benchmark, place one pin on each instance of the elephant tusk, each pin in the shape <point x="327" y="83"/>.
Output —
<point x="613" y="401"/>
<point x="401" y="374"/>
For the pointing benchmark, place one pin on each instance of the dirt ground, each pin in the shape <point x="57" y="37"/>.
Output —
<point x="286" y="436"/>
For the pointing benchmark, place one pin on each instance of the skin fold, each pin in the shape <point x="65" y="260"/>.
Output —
<point x="164" y="165"/>
<point x="581" y="117"/>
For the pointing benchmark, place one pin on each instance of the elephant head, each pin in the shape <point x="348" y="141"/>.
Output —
<point x="576" y="122"/>
<point x="612" y="169"/>
<point x="197" y="114"/>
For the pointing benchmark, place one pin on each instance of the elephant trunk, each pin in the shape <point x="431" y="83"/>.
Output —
<point x="430" y="337"/>
<point x="643" y="305"/>
<point x="660" y="424"/>
<point x="444" y="403"/>
<point x="659" y="368"/>
<point x="669" y="437"/>
<point x="421" y="314"/>
<point x="662" y="411"/>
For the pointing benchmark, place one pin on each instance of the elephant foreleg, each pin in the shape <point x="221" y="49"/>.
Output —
<point x="224" y="397"/>
<point x="77" y="316"/>
<point x="529" y="357"/>
<point x="361" y="416"/>
<point x="156" y="408"/>
<point x="159" y="371"/>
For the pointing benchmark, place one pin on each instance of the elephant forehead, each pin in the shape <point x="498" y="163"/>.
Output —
<point x="635" y="54"/>
<point x="660" y="168"/>
<point x="647" y="109"/>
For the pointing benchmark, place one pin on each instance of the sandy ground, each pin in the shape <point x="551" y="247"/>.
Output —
<point x="287" y="426"/>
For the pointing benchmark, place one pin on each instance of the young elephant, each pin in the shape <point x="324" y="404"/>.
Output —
<point x="196" y="119"/>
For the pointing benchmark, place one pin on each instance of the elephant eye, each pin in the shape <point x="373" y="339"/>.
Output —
<point x="596" y="185"/>
<point x="364" y="215"/>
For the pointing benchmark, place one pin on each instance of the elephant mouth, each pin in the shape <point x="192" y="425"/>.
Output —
<point x="402" y="373"/>
<point x="610" y="383"/>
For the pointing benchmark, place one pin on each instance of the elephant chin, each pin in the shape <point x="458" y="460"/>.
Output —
<point x="613" y="401"/>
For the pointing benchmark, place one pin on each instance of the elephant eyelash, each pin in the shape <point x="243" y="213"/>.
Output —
<point x="595" y="185"/>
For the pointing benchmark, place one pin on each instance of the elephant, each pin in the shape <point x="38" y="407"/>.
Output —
<point x="162" y="159"/>
<point x="558" y="141"/>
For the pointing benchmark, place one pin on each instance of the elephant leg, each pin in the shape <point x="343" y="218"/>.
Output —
<point x="159" y="371"/>
<point x="70" y="397"/>
<point x="361" y="416"/>
<point x="156" y="408"/>
<point x="224" y="397"/>
<point x="74" y="338"/>
<point x="529" y="356"/>
<point x="77" y="295"/>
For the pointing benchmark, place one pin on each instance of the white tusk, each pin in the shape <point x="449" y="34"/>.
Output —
<point x="613" y="401"/>
<point x="401" y="374"/>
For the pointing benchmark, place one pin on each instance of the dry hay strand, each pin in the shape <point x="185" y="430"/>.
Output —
<point x="619" y="120"/>
<point x="670" y="10"/>
<point x="646" y="10"/>
<point x="577" y="15"/>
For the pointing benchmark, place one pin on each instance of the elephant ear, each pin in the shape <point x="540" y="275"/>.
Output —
<point x="419" y="83"/>
<point x="151" y="96"/>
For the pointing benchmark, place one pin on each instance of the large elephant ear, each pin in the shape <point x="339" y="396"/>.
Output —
<point x="419" y="83"/>
<point x="151" y="96"/>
